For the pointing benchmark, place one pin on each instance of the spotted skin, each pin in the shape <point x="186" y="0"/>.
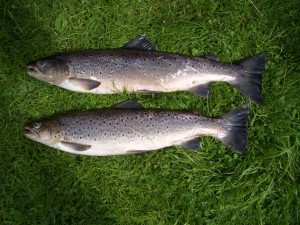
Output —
<point x="123" y="131"/>
<point x="116" y="70"/>
<point x="138" y="71"/>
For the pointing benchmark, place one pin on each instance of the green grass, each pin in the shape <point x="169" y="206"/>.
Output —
<point x="40" y="185"/>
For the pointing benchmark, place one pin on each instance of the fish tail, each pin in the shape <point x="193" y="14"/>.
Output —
<point x="249" y="82"/>
<point x="235" y="134"/>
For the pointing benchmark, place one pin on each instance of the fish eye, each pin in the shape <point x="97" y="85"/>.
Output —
<point x="41" y="63"/>
<point x="36" y="125"/>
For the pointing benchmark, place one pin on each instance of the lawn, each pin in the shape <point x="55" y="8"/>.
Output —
<point x="41" y="185"/>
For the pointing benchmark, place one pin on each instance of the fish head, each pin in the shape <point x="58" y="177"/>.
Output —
<point x="47" y="132"/>
<point x="52" y="70"/>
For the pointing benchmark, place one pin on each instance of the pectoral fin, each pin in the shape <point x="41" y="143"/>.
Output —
<point x="86" y="84"/>
<point x="201" y="90"/>
<point x="75" y="146"/>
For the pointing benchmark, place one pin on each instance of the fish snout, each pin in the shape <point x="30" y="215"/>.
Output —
<point x="30" y="133"/>
<point x="31" y="69"/>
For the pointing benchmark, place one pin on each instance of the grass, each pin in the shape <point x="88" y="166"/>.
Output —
<point x="40" y="185"/>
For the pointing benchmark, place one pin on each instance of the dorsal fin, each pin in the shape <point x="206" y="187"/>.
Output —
<point x="129" y="104"/>
<point x="211" y="57"/>
<point x="140" y="43"/>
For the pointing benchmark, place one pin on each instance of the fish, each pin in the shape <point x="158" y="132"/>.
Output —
<point x="138" y="67"/>
<point x="129" y="128"/>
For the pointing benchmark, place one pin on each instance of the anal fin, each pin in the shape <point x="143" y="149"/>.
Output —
<point x="192" y="144"/>
<point x="202" y="90"/>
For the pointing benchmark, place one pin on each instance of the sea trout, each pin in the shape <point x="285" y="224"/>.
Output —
<point x="138" y="67"/>
<point x="129" y="129"/>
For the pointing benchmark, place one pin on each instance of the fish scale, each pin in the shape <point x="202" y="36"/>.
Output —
<point x="138" y="67"/>
<point x="119" y="123"/>
<point x="120" y="130"/>
<point x="150" y="128"/>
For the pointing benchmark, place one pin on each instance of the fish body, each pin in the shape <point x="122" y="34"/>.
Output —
<point x="120" y="130"/>
<point x="143" y="71"/>
<point x="138" y="67"/>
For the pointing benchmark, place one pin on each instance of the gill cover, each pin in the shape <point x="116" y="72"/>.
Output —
<point x="47" y="132"/>
<point x="52" y="70"/>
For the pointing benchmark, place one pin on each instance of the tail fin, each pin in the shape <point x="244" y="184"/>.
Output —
<point x="249" y="81"/>
<point x="235" y="123"/>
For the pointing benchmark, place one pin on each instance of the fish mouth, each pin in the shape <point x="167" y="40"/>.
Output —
<point x="32" y="70"/>
<point x="31" y="133"/>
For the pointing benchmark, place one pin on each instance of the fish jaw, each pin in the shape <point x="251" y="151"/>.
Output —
<point x="31" y="133"/>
